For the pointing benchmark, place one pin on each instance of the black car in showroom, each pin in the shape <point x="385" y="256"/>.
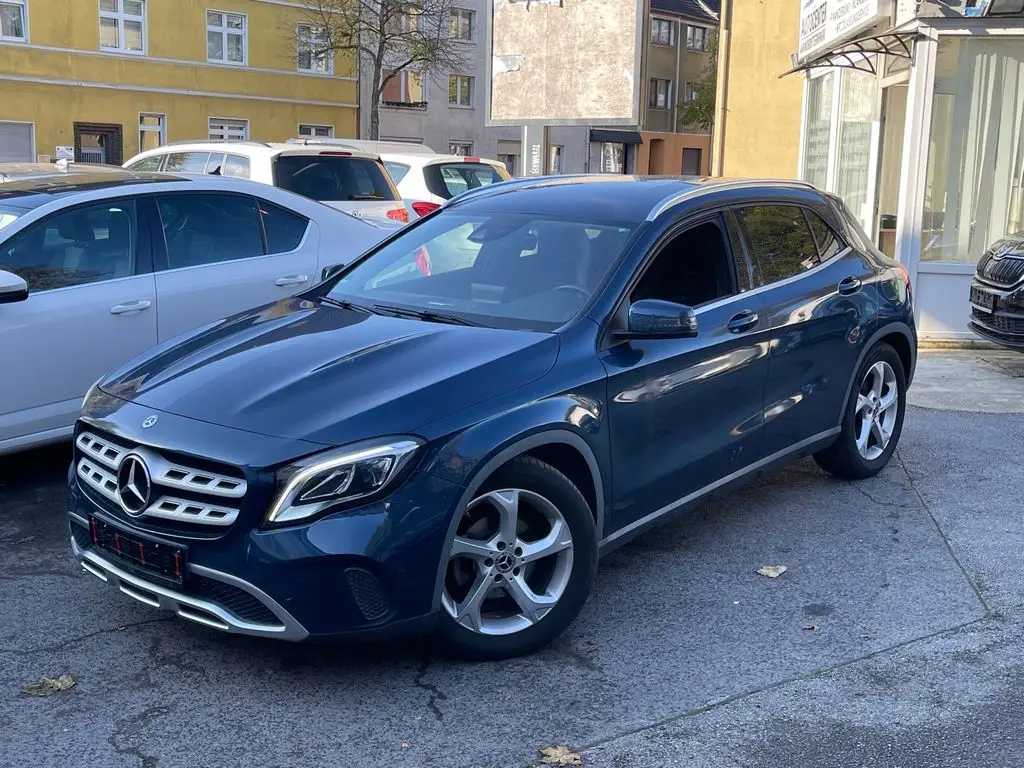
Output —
<point x="997" y="293"/>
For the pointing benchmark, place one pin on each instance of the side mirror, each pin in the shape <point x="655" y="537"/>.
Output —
<point x="331" y="271"/>
<point x="12" y="288"/>
<point x="657" y="319"/>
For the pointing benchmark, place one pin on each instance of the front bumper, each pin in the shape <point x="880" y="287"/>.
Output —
<point x="997" y="314"/>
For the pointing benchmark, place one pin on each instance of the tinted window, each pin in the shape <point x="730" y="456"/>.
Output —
<point x="236" y="166"/>
<point x="744" y="269"/>
<point x="508" y="270"/>
<point x="779" y="240"/>
<point x="206" y="228"/>
<point x="450" y="179"/>
<point x="284" y="229"/>
<point x="397" y="171"/>
<point x="187" y="162"/>
<point x="215" y="165"/>
<point x="333" y="178"/>
<point x="828" y="243"/>
<point x="9" y="214"/>
<point x="82" y="245"/>
<point x="693" y="268"/>
<point x="147" y="164"/>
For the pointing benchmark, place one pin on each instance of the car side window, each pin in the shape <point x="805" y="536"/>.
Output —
<point x="235" y="166"/>
<point x="87" y="244"/>
<point x="779" y="240"/>
<point x="209" y="228"/>
<point x="187" y="162"/>
<point x="744" y="268"/>
<point x="147" y="164"/>
<point x="692" y="268"/>
<point x="284" y="229"/>
<point x="828" y="243"/>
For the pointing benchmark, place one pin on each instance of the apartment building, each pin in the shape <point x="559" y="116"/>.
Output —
<point x="99" y="80"/>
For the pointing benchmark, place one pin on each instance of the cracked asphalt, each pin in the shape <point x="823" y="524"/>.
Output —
<point x="684" y="656"/>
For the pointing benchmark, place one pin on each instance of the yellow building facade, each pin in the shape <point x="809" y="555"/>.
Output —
<point x="109" y="78"/>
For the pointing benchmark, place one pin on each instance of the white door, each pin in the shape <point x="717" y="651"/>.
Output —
<point x="219" y="261"/>
<point x="88" y="311"/>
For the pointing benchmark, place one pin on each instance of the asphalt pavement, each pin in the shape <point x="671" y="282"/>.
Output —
<point x="893" y="638"/>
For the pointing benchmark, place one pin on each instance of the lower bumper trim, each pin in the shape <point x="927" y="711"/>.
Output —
<point x="194" y="609"/>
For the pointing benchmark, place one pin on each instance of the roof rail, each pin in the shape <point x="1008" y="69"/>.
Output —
<point x="700" y="190"/>
<point x="218" y="141"/>
<point x="365" y="145"/>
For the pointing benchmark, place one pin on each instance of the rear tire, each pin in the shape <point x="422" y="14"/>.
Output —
<point x="873" y="419"/>
<point x="520" y="566"/>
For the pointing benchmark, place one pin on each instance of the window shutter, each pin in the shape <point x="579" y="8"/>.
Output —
<point x="16" y="143"/>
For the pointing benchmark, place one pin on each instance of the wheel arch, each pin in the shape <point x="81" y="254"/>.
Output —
<point x="901" y="338"/>
<point x="556" y="445"/>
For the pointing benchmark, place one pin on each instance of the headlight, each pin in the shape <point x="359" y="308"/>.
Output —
<point x="89" y="392"/>
<point x="310" y="486"/>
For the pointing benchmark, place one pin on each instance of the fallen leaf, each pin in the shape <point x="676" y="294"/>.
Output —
<point x="811" y="627"/>
<point x="26" y="540"/>
<point x="772" y="571"/>
<point x="559" y="756"/>
<point x="49" y="685"/>
<point x="405" y="745"/>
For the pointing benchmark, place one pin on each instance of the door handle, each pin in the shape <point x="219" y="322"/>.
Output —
<point x="743" y="321"/>
<point x="849" y="285"/>
<point x="130" y="307"/>
<point x="291" y="280"/>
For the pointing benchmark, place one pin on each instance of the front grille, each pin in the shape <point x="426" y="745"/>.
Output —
<point x="198" y="497"/>
<point x="1005" y="271"/>
<point x="1003" y="324"/>
<point x="368" y="593"/>
<point x="239" y="602"/>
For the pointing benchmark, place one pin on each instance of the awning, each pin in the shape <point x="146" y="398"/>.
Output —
<point x="615" y="137"/>
<point x="857" y="54"/>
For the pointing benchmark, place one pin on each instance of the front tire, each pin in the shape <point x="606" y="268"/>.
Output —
<point x="873" y="419"/>
<point x="520" y="566"/>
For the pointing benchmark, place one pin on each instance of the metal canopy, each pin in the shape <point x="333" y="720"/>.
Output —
<point x="858" y="54"/>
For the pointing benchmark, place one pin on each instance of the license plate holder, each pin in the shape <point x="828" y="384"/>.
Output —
<point x="162" y="561"/>
<point x="984" y="299"/>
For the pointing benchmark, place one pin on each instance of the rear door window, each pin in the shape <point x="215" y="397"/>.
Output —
<point x="779" y="240"/>
<point x="208" y="228"/>
<point x="187" y="162"/>
<point x="235" y="166"/>
<point x="450" y="179"/>
<point x="333" y="178"/>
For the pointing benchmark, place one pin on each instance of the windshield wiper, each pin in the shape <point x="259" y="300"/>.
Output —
<point x="422" y="314"/>
<point x="343" y="304"/>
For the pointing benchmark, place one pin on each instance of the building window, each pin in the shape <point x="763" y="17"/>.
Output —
<point x="226" y="37"/>
<point x="691" y="162"/>
<point x="818" y="129"/>
<point x="460" y="90"/>
<point x="12" y="20"/>
<point x="689" y="92"/>
<point x="462" y="24"/>
<point x="660" y="96"/>
<point x="973" y="193"/>
<point x="511" y="162"/>
<point x="460" y="148"/>
<point x="228" y="129"/>
<point x="613" y="157"/>
<point x="697" y="38"/>
<point x="663" y="31"/>
<point x="555" y="160"/>
<point x="123" y="25"/>
<point x="313" y="52"/>
<point x="152" y="130"/>
<point x="17" y="143"/>
<point x="316" y="131"/>
<point x="407" y="88"/>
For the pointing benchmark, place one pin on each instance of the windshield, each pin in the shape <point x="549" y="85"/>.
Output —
<point x="333" y="178"/>
<point x="506" y="270"/>
<point x="9" y="214"/>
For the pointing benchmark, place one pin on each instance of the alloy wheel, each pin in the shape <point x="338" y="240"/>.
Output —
<point x="877" y="409"/>
<point x="509" y="563"/>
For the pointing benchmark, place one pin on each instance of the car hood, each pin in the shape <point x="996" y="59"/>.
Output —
<point x="305" y="370"/>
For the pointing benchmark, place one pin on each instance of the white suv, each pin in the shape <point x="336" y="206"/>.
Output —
<point x="350" y="180"/>
<point x="425" y="179"/>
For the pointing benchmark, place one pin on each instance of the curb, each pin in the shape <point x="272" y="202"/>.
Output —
<point x="932" y="344"/>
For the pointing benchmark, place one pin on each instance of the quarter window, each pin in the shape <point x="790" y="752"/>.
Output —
<point x="83" y="245"/>
<point x="284" y="229"/>
<point x="828" y="243"/>
<point x="226" y="37"/>
<point x="779" y="240"/>
<point x="12" y="20"/>
<point x="205" y="229"/>
<point x="123" y="25"/>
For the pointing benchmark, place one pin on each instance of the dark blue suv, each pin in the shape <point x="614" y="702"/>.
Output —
<point x="446" y="434"/>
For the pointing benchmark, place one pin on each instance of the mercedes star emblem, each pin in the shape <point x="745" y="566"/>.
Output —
<point x="133" y="485"/>
<point x="149" y="421"/>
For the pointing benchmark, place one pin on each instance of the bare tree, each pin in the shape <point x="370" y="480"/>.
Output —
<point x="386" y="38"/>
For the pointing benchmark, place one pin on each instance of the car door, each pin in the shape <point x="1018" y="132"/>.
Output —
<point x="222" y="253"/>
<point x="816" y="297"/>
<point x="686" y="413"/>
<point x="91" y="307"/>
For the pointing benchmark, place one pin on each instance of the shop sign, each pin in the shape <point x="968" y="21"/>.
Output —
<point x="826" y="22"/>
